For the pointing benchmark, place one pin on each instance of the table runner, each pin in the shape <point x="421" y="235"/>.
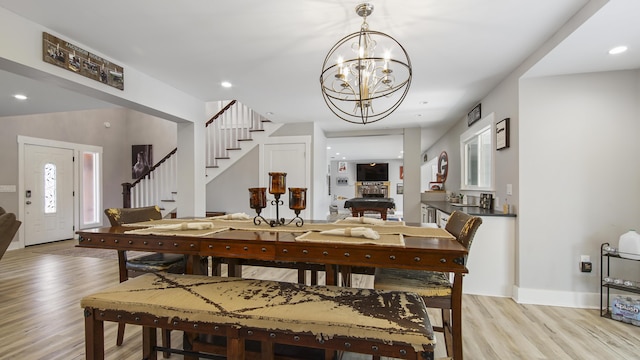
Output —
<point x="369" y="221"/>
<point x="171" y="232"/>
<point x="387" y="239"/>
<point x="387" y="229"/>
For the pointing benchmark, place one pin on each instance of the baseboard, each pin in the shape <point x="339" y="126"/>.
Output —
<point x="15" y="245"/>
<point x="580" y="300"/>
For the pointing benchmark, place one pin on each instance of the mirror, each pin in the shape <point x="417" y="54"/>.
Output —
<point x="443" y="167"/>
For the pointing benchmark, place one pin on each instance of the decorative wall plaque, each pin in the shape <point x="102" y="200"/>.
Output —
<point x="474" y="115"/>
<point x="502" y="134"/>
<point x="73" y="58"/>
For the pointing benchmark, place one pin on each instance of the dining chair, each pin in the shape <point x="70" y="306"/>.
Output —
<point x="9" y="225"/>
<point x="436" y="287"/>
<point x="156" y="262"/>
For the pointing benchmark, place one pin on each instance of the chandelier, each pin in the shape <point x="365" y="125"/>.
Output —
<point x="361" y="82"/>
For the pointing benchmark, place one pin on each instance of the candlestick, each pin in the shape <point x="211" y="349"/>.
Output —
<point x="258" y="198"/>
<point x="278" y="183"/>
<point x="297" y="200"/>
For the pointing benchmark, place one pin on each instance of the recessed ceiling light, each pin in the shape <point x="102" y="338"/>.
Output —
<point x="20" y="97"/>
<point x="328" y="147"/>
<point x="424" y="102"/>
<point x="269" y="113"/>
<point x="617" y="50"/>
<point x="225" y="84"/>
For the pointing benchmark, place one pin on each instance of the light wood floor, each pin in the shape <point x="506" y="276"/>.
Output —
<point x="41" y="318"/>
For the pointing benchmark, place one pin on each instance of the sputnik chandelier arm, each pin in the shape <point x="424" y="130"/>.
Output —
<point x="353" y="76"/>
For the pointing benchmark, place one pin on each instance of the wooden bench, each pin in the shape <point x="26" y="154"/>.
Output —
<point x="376" y="322"/>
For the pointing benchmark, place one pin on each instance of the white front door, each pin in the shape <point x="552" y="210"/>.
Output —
<point x="290" y="159"/>
<point x="48" y="184"/>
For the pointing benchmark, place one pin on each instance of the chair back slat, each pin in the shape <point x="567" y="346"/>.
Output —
<point x="119" y="216"/>
<point x="463" y="226"/>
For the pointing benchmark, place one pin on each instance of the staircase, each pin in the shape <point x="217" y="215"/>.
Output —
<point x="232" y="132"/>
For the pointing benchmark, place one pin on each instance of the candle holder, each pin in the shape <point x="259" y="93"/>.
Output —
<point x="297" y="200"/>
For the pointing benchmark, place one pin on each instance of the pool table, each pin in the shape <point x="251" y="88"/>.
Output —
<point x="377" y="204"/>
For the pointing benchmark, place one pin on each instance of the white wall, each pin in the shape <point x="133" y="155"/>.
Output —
<point x="349" y="191"/>
<point x="579" y="179"/>
<point x="319" y="172"/>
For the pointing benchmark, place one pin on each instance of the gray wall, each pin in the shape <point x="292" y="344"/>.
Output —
<point x="571" y="162"/>
<point x="86" y="127"/>
<point x="579" y="175"/>
<point x="229" y="190"/>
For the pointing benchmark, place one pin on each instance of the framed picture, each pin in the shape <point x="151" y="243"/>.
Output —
<point x="141" y="160"/>
<point x="474" y="115"/>
<point x="502" y="134"/>
<point x="342" y="167"/>
<point x="399" y="188"/>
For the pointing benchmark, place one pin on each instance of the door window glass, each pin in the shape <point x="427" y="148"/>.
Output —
<point x="50" y="188"/>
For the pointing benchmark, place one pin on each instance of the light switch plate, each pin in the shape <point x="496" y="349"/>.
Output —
<point x="509" y="189"/>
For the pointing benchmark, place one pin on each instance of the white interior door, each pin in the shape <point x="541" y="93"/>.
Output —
<point x="48" y="184"/>
<point x="290" y="159"/>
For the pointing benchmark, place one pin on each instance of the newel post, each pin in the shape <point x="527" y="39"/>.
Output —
<point x="126" y="195"/>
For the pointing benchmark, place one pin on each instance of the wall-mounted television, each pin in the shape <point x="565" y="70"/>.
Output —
<point x="372" y="172"/>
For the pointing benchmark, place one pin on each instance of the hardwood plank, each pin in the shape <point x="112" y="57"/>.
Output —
<point x="41" y="318"/>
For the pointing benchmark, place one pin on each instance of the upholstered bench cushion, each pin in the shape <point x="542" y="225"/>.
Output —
<point x="424" y="283"/>
<point x="322" y="311"/>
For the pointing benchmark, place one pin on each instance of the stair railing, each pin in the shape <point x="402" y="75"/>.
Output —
<point x="225" y="130"/>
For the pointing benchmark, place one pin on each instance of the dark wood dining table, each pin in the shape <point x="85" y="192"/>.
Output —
<point x="418" y="253"/>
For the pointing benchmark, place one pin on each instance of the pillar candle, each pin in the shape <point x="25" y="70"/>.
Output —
<point x="258" y="198"/>
<point x="278" y="183"/>
<point x="297" y="198"/>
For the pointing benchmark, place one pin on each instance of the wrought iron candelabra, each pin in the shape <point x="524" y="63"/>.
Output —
<point x="297" y="200"/>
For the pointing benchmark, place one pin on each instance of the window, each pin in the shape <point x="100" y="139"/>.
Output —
<point x="90" y="189"/>
<point x="476" y="151"/>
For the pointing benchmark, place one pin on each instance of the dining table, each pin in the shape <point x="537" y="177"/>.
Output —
<point x="399" y="245"/>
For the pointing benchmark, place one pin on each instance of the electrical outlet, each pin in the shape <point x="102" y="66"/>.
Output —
<point x="585" y="263"/>
<point x="509" y="189"/>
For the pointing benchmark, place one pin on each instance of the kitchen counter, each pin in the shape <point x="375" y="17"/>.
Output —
<point x="448" y="208"/>
<point x="491" y="261"/>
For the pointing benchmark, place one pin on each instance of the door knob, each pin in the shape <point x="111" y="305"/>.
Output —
<point x="28" y="202"/>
